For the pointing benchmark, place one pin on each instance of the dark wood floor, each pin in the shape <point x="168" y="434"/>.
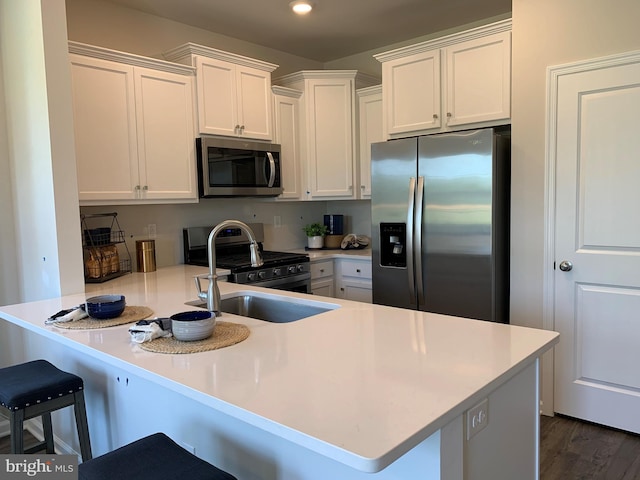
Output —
<point x="569" y="450"/>
<point x="575" y="450"/>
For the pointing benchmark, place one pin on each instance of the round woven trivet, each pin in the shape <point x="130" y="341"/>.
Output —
<point x="131" y="314"/>
<point x="224" y="335"/>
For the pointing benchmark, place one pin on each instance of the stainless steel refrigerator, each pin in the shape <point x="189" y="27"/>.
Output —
<point x="440" y="214"/>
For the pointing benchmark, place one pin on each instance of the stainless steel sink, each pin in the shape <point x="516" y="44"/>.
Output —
<point x="271" y="308"/>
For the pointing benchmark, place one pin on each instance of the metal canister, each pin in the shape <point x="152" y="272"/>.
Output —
<point x="146" y="255"/>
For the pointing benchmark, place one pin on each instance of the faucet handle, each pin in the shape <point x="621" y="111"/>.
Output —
<point x="201" y="294"/>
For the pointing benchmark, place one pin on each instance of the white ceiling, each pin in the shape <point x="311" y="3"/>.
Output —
<point x="334" y="29"/>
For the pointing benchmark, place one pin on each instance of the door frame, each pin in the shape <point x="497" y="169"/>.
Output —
<point x="554" y="73"/>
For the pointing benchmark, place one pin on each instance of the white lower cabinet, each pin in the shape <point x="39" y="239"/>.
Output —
<point x="353" y="279"/>
<point x="322" y="282"/>
<point x="134" y="128"/>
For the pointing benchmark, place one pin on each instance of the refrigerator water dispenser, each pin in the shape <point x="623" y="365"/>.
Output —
<point x="393" y="237"/>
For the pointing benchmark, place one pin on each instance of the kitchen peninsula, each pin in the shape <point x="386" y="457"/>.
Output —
<point x="353" y="391"/>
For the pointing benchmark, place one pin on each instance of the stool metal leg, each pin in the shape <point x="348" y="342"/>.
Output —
<point x="16" y="421"/>
<point x="48" y="432"/>
<point x="82" y="425"/>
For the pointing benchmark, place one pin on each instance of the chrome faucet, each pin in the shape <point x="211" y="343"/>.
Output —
<point x="212" y="295"/>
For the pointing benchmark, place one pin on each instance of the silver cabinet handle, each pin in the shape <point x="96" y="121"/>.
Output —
<point x="566" y="266"/>
<point x="411" y="204"/>
<point x="272" y="169"/>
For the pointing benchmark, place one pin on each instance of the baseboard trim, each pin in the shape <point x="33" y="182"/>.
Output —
<point x="34" y="427"/>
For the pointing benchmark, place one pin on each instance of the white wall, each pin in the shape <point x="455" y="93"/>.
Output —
<point x="9" y="291"/>
<point x="546" y="33"/>
<point x="41" y="158"/>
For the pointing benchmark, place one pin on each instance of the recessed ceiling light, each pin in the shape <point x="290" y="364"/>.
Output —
<point x="301" y="7"/>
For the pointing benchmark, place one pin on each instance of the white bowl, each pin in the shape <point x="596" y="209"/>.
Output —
<point x="194" y="325"/>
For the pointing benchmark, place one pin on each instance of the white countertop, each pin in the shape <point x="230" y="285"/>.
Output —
<point x="320" y="254"/>
<point x="361" y="384"/>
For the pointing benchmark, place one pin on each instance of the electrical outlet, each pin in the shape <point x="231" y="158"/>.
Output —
<point x="151" y="230"/>
<point x="277" y="221"/>
<point x="477" y="418"/>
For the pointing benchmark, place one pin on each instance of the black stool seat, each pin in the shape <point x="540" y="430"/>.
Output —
<point x="35" y="389"/>
<point x="30" y="383"/>
<point x="155" y="457"/>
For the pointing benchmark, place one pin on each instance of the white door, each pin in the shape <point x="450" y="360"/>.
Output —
<point x="597" y="230"/>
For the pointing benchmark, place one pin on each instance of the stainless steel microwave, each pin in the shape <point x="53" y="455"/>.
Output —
<point x="229" y="167"/>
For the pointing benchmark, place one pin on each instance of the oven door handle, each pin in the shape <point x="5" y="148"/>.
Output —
<point x="272" y="170"/>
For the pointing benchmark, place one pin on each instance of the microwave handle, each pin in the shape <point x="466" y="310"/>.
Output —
<point x="272" y="170"/>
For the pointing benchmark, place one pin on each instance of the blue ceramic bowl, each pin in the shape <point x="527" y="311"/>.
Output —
<point x="193" y="325"/>
<point x="104" y="307"/>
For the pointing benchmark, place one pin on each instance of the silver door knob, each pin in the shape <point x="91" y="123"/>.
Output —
<point x="566" y="265"/>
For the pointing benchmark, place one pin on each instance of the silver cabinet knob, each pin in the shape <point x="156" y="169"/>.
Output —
<point x="566" y="265"/>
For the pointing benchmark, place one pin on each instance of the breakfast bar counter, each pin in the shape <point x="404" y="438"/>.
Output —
<point x="359" y="391"/>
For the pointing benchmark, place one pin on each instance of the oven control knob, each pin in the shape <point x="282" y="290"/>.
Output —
<point x="291" y="269"/>
<point x="262" y="274"/>
<point x="277" y="272"/>
<point x="251" y="276"/>
<point x="300" y="267"/>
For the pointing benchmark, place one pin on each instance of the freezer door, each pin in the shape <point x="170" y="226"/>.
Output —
<point x="456" y="269"/>
<point x="393" y="180"/>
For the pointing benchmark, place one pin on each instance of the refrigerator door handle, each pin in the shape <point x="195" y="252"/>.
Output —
<point x="410" y="223"/>
<point x="418" y="242"/>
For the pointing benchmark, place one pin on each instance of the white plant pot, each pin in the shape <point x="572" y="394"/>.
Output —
<point x="315" y="242"/>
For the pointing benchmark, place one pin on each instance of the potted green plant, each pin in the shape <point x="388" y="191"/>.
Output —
<point x="315" y="233"/>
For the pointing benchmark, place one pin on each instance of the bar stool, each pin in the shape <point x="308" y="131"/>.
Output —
<point x="155" y="457"/>
<point x="38" y="388"/>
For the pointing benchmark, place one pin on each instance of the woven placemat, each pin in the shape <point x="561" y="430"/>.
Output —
<point x="131" y="314"/>
<point x="224" y="335"/>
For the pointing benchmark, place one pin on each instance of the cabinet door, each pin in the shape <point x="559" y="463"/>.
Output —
<point x="105" y="129"/>
<point x="370" y="127"/>
<point x="478" y="80"/>
<point x="254" y="103"/>
<point x="286" y="119"/>
<point x="330" y="121"/>
<point x="359" y="292"/>
<point x="411" y="92"/>
<point x="166" y="145"/>
<point x="322" y="287"/>
<point x="217" y="97"/>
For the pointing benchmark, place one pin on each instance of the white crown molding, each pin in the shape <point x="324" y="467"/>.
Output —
<point x="361" y="79"/>
<point x="286" y="91"/>
<point x="373" y="90"/>
<point x="474" y="33"/>
<point x="129" y="58"/>
<point x="186" y="51"/>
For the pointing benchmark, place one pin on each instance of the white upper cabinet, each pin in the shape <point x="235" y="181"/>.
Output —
<point x="286" y="116"/>
<point x="478" y="80"/>
<point x="327" y="131"/>
<point x="134" y="128"/>
<point x="233" y="92"/>
<point x="411" y="87"/>
<point x="370" y="129"/>
<point x="451" y="83"/>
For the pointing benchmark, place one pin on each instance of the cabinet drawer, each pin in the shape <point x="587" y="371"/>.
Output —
<point x="321" y="269"/>
<point x="354" y="268"/>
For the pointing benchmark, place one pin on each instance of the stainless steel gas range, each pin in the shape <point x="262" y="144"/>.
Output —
<point x="281" y="270"/>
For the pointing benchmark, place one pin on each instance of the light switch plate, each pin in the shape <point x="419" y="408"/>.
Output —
<point x="477" y="418"/>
